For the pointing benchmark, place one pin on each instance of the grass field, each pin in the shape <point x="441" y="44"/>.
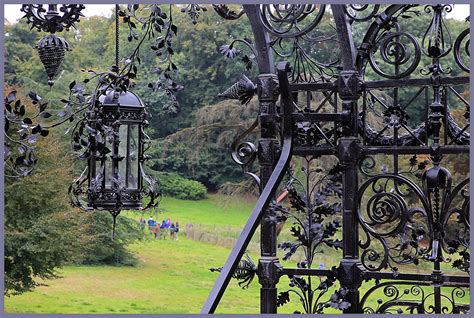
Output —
<point x="172" y="276"/>
<point x="168" y="270"/>
<point x="217" y="209"/>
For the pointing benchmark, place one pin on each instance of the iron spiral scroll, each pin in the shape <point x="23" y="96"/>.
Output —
<point x="400" y="53"/>
<point x="407" y="297"/>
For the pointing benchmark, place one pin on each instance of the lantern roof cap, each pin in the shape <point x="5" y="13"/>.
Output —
<point x="127" y="99"/>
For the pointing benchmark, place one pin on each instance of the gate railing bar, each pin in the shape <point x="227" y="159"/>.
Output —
<point x="321" y="116"/>
<point x="455" y="80"/>
<point x="264" y="199"/>
<point x="407" y="150"/>
<point x="401" y="150"/>
<point x="446" y="279"/>
<point x="428" y="277"/>
<point x="306" y="271"/>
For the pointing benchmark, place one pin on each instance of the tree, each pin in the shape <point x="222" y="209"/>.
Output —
<point x="43" y="233"/>
<point x="203" y="152"/>
<point x="37" y="235"/>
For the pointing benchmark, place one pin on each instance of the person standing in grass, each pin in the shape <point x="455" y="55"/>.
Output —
<point x="176" y="230"/>
<point x="151" y="224"/>
<point x="172" y="233"/>
<point x="142" y="223"/>
<point x="163" y="230"/>
<point x="157" y="230"/>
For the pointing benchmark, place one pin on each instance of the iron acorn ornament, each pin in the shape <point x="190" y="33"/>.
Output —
<point x="53" y="19"/>
<point x="51" y="50"/>
<point x="243" y="90"/>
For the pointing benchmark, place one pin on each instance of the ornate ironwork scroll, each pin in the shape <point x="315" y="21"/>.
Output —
<point x="390" y="111"/>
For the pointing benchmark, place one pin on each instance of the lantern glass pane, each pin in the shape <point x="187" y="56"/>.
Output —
<point x="122" y="152"/>
<point x="108" y="166"/>
<point x="132" y="180"/>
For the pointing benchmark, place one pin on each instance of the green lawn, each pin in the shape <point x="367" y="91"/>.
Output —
<point x="172" y="276"/>
<point x="168" y="270"/>
<point x="217" y="210"/>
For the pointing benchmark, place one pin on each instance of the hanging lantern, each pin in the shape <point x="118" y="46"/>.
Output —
<point x="116" y="176"/>
<point x="114" y="141"/>
<point x="51" y="50"/>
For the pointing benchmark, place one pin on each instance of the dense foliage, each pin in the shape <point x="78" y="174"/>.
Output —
<point x="101" y="248"/>
<point x="38" y="226"/>
<point x="174" y="185"/>
<point x="42" y="232"/>
<point x="203" y="151"/>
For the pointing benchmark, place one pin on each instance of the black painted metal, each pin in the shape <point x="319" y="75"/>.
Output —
<point x="115" y="178"/>
<point x="52" y="48"/>
<point x="257" y="213"/>
<point x="389" y="218"/>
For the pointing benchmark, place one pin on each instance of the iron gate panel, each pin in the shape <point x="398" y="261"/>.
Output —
<point x="373" y="182"/>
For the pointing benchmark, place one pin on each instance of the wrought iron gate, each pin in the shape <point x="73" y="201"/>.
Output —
<point x="362" y="176"/>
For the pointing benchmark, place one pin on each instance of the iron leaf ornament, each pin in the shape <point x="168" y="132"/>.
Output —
<point x="244" y="273"/>
<point x="226" y="13"/>
<point x="194" y="11"/>
<point x="21" y="131"/>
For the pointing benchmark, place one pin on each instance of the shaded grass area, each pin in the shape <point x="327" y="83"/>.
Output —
<point x="172" y="276"/>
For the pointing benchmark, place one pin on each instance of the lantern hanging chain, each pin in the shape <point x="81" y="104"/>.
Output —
<point x="117" y="35"/>
<point x="114" y="216"/>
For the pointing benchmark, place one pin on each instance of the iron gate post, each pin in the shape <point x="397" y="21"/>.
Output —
<point x="349" y="149"/>
<point x="350" y="272"/>
<point x="268" y="153"/>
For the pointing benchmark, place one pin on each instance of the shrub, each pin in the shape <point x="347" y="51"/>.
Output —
<point x="174" y="185"/>
<point x="101" y="248"/>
